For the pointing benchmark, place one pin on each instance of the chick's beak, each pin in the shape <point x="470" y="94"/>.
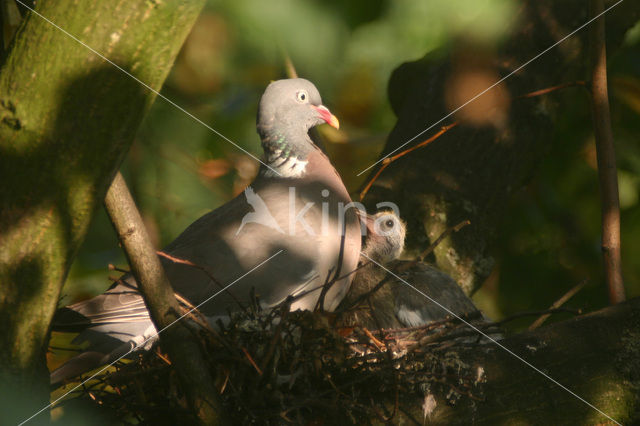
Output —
<point x="326" y="115"/>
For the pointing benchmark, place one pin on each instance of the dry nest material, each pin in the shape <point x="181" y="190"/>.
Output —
<point x="297" y="368"/>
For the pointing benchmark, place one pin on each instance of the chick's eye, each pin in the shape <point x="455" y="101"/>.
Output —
<point x="389" y="223"/>
<point x="301" y="96"/>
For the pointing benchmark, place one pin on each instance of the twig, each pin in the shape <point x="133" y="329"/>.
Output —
<point x="442" y="236"/>
<point x="426" y="252"/>
<point x="201" y="268"/>
<point x="389" y="160"/>
<point x="332" y="278"/>
<point x="288" y="65"/>
<point x="253" y="363"/>
<point x="431" y="338"/>
<point x="184" y="350"/>
<point x="380" y="345"/>
<point x="578" y="83"/>
<point x="444" y="129"/>
<point x="197" y="317"/>
<point x="365" y="296"/>
<point x="276" y="335"/>
<point x="113" y="267"/>
<point x="389" y="355"/>
<point x="163" y="357"/>
<point x="607" y="171"/>
<point x="568" y="295"/>
<point x="224" y="384"/>
<point x="60" y="348"/>
<point x="537" y="313"/>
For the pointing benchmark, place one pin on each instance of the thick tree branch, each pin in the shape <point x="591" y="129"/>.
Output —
<point x="67" y="118"/>
<point x="595" y="355"/>
<point x="607" y="170"/>
<point x="180" y="343"/>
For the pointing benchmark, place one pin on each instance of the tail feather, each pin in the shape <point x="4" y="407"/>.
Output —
<point x="85" y="362"/>
<point x="107" y="343"/>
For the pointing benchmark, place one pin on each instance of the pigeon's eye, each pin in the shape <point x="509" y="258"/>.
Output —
<point x="302" y="96"/>
<point x="389" y="223"/>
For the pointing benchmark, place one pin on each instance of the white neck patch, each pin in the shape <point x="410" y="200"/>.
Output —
<point x="291" y="167"/>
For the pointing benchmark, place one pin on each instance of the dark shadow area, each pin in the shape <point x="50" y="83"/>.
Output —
<point x="55" y="172"/>
<point x="473" y="170"/>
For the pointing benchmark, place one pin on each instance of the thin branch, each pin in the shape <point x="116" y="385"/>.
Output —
<point x="113" y="267"/>
<point x="251" y="361"/>
<point x="442" y="236"/>
<point x="568" y="295"/>
<point x="444" y="129"/>
<point x="578" y="83"/>
<point x="364" y="296"/>
<point x="176" y="259"/>
<point x="537" y="313"/>
<point x="286" y="307"/>
<point x="331" y="279"/>
<point x="185" y="352"/>
<point x="428" y="250"/>
<point x="389" y="160"/>
<point x="288" y="64"/>
<point x="607" y="171"/>
<point x="380" y="345"/>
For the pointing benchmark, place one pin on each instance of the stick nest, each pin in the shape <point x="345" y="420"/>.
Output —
<point x="284" y="367"/>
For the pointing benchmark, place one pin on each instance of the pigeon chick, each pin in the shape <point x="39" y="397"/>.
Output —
<point x="383" y="301"/>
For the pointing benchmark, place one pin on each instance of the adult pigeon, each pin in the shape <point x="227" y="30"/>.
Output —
<point x="395" y="304"/>
<point x="297" y="205"/>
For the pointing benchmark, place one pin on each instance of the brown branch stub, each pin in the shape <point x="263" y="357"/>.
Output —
<point x="442" y="236"/>
<point x="607" y="171"/>
<point x="288" y="65"/>
<point x="184" y="351"/>
<point x="251" y="361"/>
<point x="380" y="345"/>
<point x="546" y="90"/>
<point x="558" y="303"/>
<point x="391" y="159"/>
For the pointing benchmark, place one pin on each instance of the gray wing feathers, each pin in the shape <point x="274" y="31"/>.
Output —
<point x="119" y="317"/>
<point x="414" y="309"/>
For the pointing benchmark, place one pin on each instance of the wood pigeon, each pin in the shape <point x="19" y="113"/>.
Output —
<point x="297" y="204"/>
<point x="395" y="304"/>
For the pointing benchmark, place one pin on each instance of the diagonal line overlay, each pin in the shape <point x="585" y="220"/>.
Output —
<point x="277" y="253"/>
<point x="146" y="85"/>
<point x="518" y="357"/>
<point x="149" y="338"/>
<point x="493" y="85"/>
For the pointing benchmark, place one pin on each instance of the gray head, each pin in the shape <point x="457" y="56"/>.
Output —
<point x="384" y="241"/>
<point x="290" y="108"/>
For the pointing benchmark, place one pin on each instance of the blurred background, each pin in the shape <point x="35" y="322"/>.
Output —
<point x="179" y="170"/>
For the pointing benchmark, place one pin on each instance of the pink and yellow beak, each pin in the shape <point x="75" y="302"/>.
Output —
<point x="326" y="115"/>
